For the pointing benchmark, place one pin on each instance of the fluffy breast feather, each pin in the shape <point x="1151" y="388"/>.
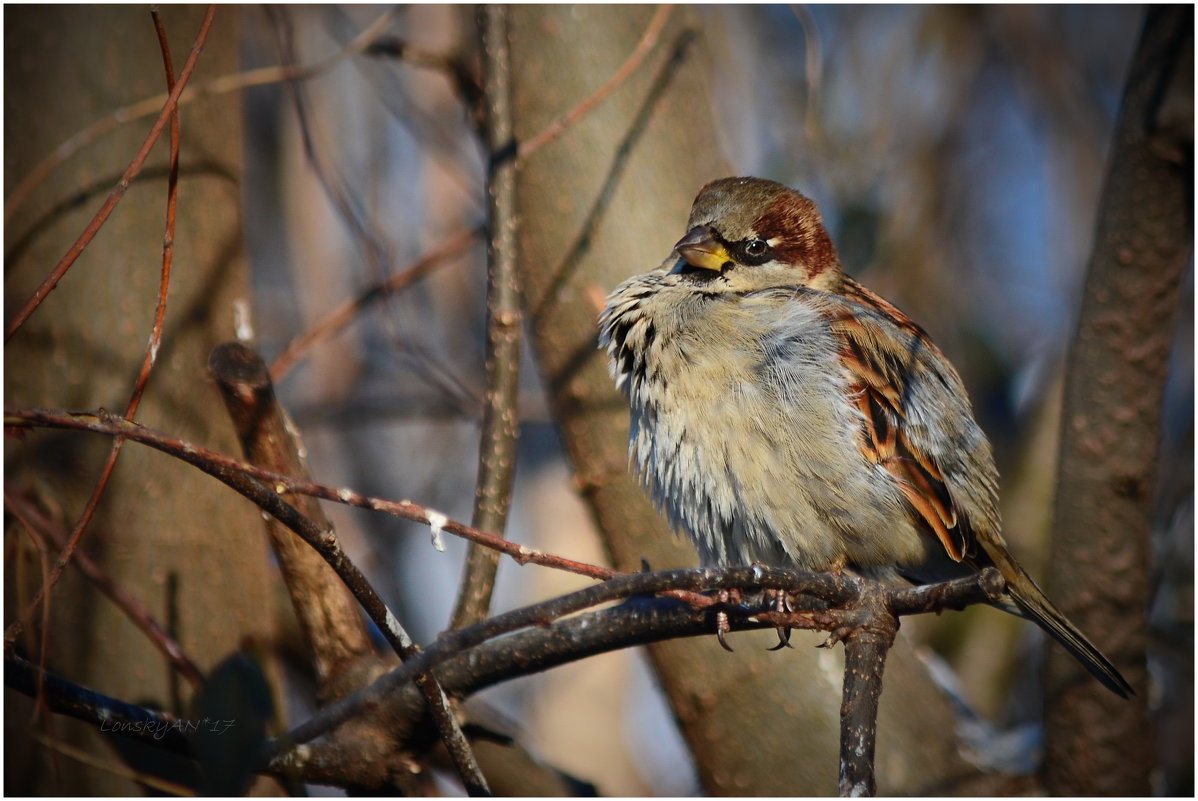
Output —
<point x="741" y="428"/>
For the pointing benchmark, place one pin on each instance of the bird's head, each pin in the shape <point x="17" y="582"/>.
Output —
<point x="749" y="233"/>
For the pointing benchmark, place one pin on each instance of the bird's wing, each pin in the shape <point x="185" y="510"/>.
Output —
<point x="915" y="418"/>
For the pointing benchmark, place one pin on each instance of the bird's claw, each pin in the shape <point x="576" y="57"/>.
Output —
<point x="835" y="636"/>
<point x="781" y="604"/>
<point x="783" y="639"/>
<point x="722" y="625"/>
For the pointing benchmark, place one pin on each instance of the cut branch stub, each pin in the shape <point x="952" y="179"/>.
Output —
<point x="327" y="612"/>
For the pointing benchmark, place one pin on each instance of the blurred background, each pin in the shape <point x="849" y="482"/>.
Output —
<point x="957" y="154"/>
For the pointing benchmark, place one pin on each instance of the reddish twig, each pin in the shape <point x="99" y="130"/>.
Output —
<point x="341" y="316"/>
<point x="372" y="246"/>
<point x="115" y="768"/>
<point x="226" y="83"/>
<point x="555" y="129"/>
<point x="138" y="613"/>
<point x="168" y="239"/>
<point x="118" y="192"/>
<point x="218" y="465"/>
<point x="43" y="558"/>
<point x="151" y="356"/>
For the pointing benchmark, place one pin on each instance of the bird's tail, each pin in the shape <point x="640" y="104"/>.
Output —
<point x="1033" y="604"/>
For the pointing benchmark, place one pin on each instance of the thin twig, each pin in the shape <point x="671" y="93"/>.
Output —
<point x="155" y="339"/>
<point x="118" y="191"/>
<point x="226" y="83"/>
<point x="43" y="560"/>
<point x="168" y="239"/>
<point x="341" y="316"/>
<point x="338" y="193"/>
<point x="137" y="612"/>
<point x="813" y="64"/>
<point x="372" y="246"/>
<point x="459" y="73"/>
<point x="497" y="445"/>
<point x="221" y="467"/>
<point x="555" y="129"/>
<point x="575" y="254"/>
<point x="115" y="768"/>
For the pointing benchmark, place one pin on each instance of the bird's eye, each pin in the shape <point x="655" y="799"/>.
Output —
<point x="756" y="247"/>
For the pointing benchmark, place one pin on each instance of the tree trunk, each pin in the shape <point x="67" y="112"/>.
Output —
<point x="1097" y="744"/>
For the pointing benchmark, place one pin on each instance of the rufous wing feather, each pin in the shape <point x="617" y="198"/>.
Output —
<point x="877" y="386"/>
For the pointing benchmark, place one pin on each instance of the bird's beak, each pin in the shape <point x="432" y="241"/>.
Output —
<point x="700" y="248"/>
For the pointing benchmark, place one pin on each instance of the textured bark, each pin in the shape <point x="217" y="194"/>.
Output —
<point x="757" y="723"/>
<point x="182" y="543"/>
<point x="1098" y="744"/>
<point x="497" y="448"/>
<point x="328" y="615"/>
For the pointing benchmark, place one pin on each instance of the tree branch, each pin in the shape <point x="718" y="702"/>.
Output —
<point x="226" y="83"/>
<point x="497" y="447"/>
<point x="657" y="24"/>
<point x="326" y="611"/>
<point x="168" y="108"/>
<point x="856" y="611"/>
<point x="158" y="729"/>
<point x="538" y="637"/>
<point x="825" y="601"/>
<point x="332" y="628"/>
<point x="223" y="468"/>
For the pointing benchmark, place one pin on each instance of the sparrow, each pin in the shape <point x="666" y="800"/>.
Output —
<point x="784" y="414"/>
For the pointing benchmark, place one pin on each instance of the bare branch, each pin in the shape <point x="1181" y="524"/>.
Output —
<point x="841" y="604"/>
<point x="860" y="612"/>
<point x="226" y="83"/>
<point x="137" y="612"/>
<point x="497" y="446"/>
<point x="555" y="129"/>
<point x="221" y="467"/>
<point x="329" y="623"/>
<point x="47" y="286"/>
<point x="864" y="660"/>
<point x="341" y="316"/>
<point x="326" y="612"/>
<point x="151" y="355"/>
<point x="158" y="729"/>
